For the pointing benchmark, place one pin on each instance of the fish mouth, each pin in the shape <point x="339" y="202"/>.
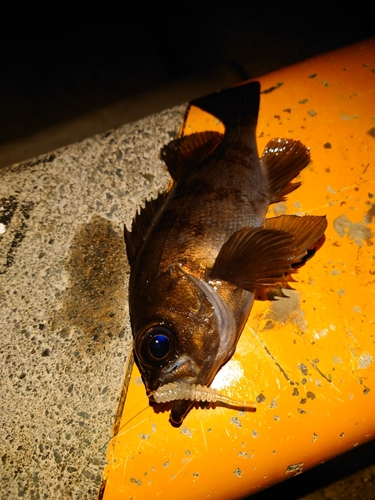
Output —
<point x="180" y="408"/>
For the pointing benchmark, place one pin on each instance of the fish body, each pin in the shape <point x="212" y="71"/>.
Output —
<point x="203" y="251"/>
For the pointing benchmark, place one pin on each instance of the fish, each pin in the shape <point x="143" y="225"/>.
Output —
<point x="203" y="250"/>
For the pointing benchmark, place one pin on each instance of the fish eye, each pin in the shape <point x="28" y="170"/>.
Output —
<point x="156" y="346"/>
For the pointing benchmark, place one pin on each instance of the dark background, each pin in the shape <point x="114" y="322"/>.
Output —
<point x="62" y="62"/>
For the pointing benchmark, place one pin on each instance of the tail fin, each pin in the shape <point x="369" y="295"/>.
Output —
<point x="237" y="103"/>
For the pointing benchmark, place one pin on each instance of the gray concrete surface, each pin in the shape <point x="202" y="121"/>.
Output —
<point x="63" y="293"/>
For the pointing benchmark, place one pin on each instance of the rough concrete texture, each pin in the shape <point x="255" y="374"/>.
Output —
<point x="64" y="315"/>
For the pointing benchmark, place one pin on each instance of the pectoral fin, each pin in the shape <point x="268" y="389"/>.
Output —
<point x="185" y="153"/>
<point x="265" y="257"/>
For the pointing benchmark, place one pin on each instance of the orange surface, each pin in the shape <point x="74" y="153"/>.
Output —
<point x="309" y="359"/>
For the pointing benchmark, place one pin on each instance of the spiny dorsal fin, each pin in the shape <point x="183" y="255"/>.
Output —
<point x="264" y="257"/>
<point x="239" y="103"/>
<point x="140" y="224"/>
<point x="283" y="160"/>
<point x="189" y="151"/>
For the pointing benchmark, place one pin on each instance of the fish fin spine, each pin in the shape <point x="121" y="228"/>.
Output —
<point x="143" y="219"/>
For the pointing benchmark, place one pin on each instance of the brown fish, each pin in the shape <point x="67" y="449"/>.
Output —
<point x="201" y="252"/>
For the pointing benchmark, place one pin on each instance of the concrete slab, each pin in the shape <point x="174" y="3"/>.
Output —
<point x="64" y="313"/>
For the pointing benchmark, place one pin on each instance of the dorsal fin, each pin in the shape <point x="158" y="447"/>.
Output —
<point x="283" y="160"/>
<point x="189" y="151"/>
<point x="239" y="103"/>
<point x="140" y="224"/>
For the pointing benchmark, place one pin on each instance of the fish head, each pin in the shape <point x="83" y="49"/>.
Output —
<point x="184" y="332"/>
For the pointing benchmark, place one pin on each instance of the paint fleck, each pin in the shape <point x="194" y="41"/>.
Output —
<point x="144" y="436"/>
<point x="243" y="454"/>
<point x="303" y="368"/>
<point x="136" y="481"/>
<point x="188" y="452"/>
<point x="357" y="309"/>
<point x="320" y="334"/>
<point x="303" y="101"/>
<point x="312" y="112"/>
<point x="356" y="231"/>
<point x="344" y="116"/>
<point x="295" y="392"/>
<point x="254" y="434"/>
<point x="370" y="214"/>
<point x="186" y="431"/>
<point x="315" y="437"/>
<point x="303" y="401"/>
<point x="260" y="398"/>
<point x="280" y="208"/>
<point x="335" y="272"/>
<point x="195" y="474"/>
<point x="166" y="464"/>
<point x="237" y="472"/>
<point x="331" y="190"/>
<point x="342" y="434"/>
<point x="277" y="418"/>
<point x="236" y="421"/>
<point x="297" y="468"/>
<point x="153" y="427"/>
<point x="310" y="395"/>
<point x="302" y="412"/>
<point x="327" y="145"/>
<point x="273" y="404"/>
<point x="364" y="361"/>
<point x="337" y="361"/>
<point x="271" y="89"/>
